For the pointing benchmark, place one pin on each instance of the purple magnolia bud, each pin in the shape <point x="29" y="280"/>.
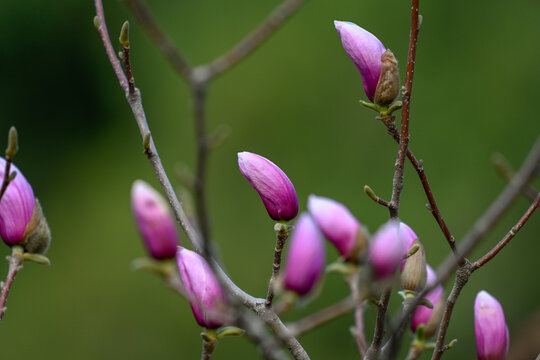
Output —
<point x="206" y="297"/>
<point x="365" y="50"/>
<point x="492" y="337"/>
<point x="386" y="250"/>
<point x="306" y="257"/>
<point x="154" y="221"/>
<point x="408" y="236"/>
<point x="16" y="208"/>
<point x="338" y="225"/>
<point x="274" y="187"/>
<point x="430" y="318"/>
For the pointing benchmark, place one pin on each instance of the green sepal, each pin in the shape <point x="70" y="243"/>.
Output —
<point x="340" y="267"/>
<point x="37" y="258"/>
<point x="229" y="331"/>
<point x="163" y="268"/>
<point x="383" y="110"/>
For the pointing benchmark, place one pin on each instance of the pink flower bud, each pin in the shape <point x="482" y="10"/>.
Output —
<point x="365" y="50"/>
<point x="274" y="187"/>
<point x="386" y="250"/>
<point x="306" y="257"/>
<point x="424" y="315"/>
<point x="338" y="225"/>
<point x="154" y="220"/>
<point x="16" y="207"/>
<point x="206" y="297"/>
<point x="492" y="337"/>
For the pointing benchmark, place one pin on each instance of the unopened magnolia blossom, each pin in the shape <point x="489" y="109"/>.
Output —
<point x="274" y="187"/>
<point x="492" y="337"/>
<point x="306" y="257"/>
<point x="154" y="221"/>
<point x="206" y="297"/>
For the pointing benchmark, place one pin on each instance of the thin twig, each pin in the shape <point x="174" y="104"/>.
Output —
<point x="282" y="332"/>
<point x="282" y="233"/>
<point x="509" y="236"/>
<point x="480" y="228"/>
<point x="405" y="113"/>
<point x="208" y="347"/>
<point x="135" y="103"/>
<point x="359" y="334"/>
<point x="254" y="39"/>
<point x="199" y="185"/>
<point x="507" y="172"/>
<point x="397" y="183"/>
<point x="378" y="335"/>
<point x="11" y="149"/>
<point x="419" y="167"/>
<point x="310" y="322"/>
<point x="15" y="265"/>
<point x="369" y="192"/>
<point x="162" y="41"/>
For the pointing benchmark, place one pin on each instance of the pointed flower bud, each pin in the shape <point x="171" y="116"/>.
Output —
<point x="377" y="65"/>
<point x="339" y="226"/>
<point x="492" y="337"/>
<point x="274" y="187"/>
<point x="16" y="207"/>
<point x="386" y="250"/>
<point x="306" y="257"/>
<point x="424" y="315"/>
<point x="154" y="220"/>
<point x="206" y="297"/>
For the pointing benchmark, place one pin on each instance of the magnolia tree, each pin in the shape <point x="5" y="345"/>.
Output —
<point x="389" y="262"/>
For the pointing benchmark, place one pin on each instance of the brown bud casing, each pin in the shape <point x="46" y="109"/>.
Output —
<point x="388" y="86"/>
<point x="37" y="236"/>
<point x="414" y="273"/>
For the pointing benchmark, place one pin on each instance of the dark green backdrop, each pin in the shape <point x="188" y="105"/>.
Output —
<point x="476" y="90"/>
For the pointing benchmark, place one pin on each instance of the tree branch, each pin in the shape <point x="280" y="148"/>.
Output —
<point x="15" y="265"/>
<point x="419" y="167"/>
<point x="254" y="39"/>
<point x="509" y="236"/>
<point x="163" y="42"/>
<point x="310" y="322"/>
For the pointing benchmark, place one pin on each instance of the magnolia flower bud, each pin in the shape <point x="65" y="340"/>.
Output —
<point x="386" y="250"/>
<point x="365" y="50"/>
<point x="492" y="337"/>
<point x="154" y="220"/>
<point x="206" y="297"/>
<point x="306" y="257"/>
<point x="16" y="207"/>
<point x="339" y="226"/>
<point x="430" y="318"/>
<point x="274" y="187"/>
<point x="21" y="218"/>
<point x="388" y="86"/>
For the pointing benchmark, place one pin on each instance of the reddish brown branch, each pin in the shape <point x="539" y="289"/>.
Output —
<point x="15" y="264"/>
<point x="509" y="236"/>
<point x="405" y="113"/>
<point x="433" y="207"/>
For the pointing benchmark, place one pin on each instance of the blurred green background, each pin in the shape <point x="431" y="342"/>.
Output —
<point x="295" y="101"/>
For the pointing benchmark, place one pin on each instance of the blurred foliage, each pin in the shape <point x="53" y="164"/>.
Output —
<point x="295" y="101"/>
